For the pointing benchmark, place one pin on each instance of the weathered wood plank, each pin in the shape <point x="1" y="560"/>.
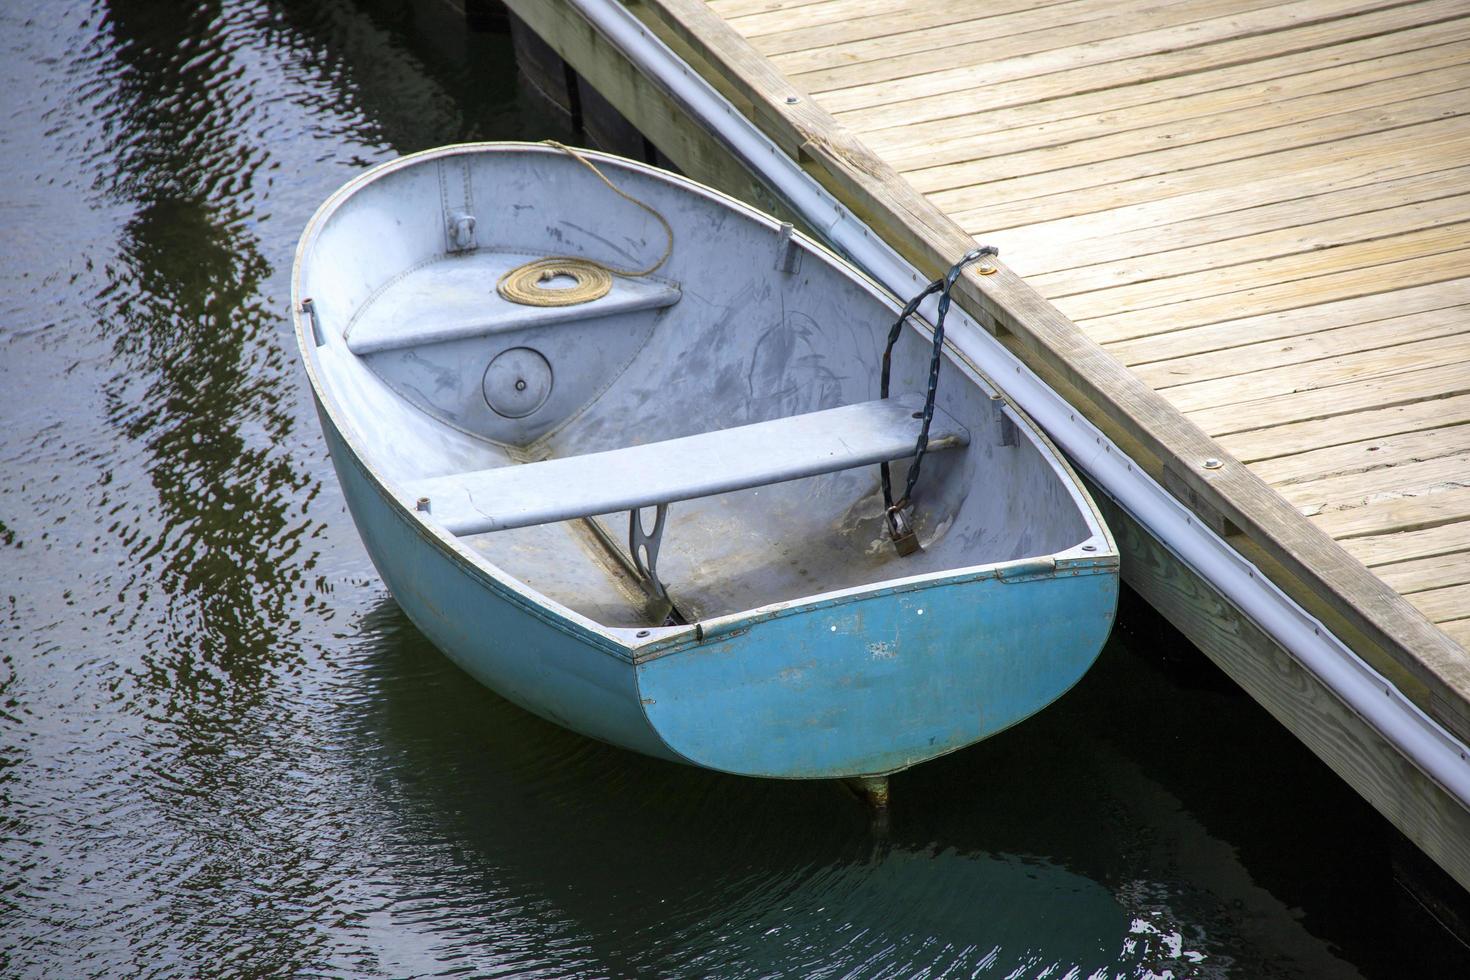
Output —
<point x="1227" y="278"/>
<point x="1427" y="573"/>
<point x="1382" y="549"/>
<point x="1299" y="235"/>
<point x="1384" y="151"/>
<point x="800" y="46"/>
<point x="1351" y="427"/>
<point x="1444" y="605"/>
<point x="1289" y="379"/>
<point x="908" y="52"/>
<point x="848" y="19"/>
<point x="1418" y="270"/>
<point x="1388" y="519"/>
<point x="1287" y="324"/>
<point x="1215" y="137"/>
<point x="1366" y="454"/>
<point x="1459" y="631"/>
<point x="1291" y="352"/>
<point x="1420" y="480"/>
<point x="945" y="94"/>
<point x="732" y="10"/>
<point x="1311" y="142"/>
<point x="1395" y="155"/>
<point x="1034" y="252"/>
<point x="1134" y="104"/>
<point x="1410" y="386"/>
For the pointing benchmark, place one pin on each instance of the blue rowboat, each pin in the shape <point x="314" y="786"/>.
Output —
<point x="639" y="495"/>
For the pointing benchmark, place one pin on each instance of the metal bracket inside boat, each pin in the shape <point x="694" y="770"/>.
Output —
<point x="457" y="200"/>
<point x="643" y="546"/>
<point x="1008" y="434"/>
<point x="461" y="232"/>
<point x="788" y="252"/>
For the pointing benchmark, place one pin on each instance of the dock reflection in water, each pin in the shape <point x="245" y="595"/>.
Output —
<point x="224" y="752"/>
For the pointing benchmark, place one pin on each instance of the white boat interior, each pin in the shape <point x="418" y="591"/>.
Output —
<point x="734" y="391"/>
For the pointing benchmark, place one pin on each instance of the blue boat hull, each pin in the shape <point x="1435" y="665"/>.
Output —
<point x="859" y="684"/>
<point x="881" y="682"/>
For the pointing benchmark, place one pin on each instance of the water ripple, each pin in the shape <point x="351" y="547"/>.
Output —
<point x="224" y="752"/>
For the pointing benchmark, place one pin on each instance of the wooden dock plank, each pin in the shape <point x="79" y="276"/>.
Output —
<point x="1459" y="631"/>
<point x="734" y="9"/>
<point x="1405" y="388"/>
<point x="961" y="78"/>
<point x="1051" y="75"/>
<point x="1238" y="362"/>
<point x="1297" y="235"/>
<point x="1352" y="457"/>
<point x="1275" y="442"/>
<point x="908" y="52"/>
<point x="1217" y="136"/>
<point x="1420" y="574"/>
<point x="1296" y="322"/>
<point x="1148" y="175"/>
<point x="1384" y="153"/>
<point x="1240" y="87"/>
<point x="846" y="21"/>
<point x="1435" y="516"/>
<point x="1418" y="479"/>
<point x="1290" y="379"/>
<point x="1444" y="605"/>
<point x="1401" y="155"/>
<point x="1035" y="253"/>
<point x="1227" y="279"/>
<point x="1418" y="270"/>
<point x="1381" y="549"/>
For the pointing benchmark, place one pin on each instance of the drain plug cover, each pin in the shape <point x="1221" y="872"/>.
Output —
<point x="517" y="382"/>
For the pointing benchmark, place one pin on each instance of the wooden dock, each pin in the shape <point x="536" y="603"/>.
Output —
<point x="1232" y="230"/>
<point x="1262" y="209"/>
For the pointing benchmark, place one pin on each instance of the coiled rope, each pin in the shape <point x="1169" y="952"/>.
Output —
<point x="525" y="284"/>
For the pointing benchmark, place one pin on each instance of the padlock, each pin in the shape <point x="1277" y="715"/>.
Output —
<point x="905" y="540"/>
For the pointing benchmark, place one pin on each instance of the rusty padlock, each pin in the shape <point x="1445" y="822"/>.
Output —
<point x="905" y="539"/>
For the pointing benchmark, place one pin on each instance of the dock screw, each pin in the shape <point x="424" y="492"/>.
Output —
<point x="1213" y="464"/>
<point x="792" y="100"/>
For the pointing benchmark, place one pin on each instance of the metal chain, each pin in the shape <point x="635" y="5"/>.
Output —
<point x="944" y="286"/>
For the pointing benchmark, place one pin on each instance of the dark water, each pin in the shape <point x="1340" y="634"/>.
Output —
<point x="224" y="752"/>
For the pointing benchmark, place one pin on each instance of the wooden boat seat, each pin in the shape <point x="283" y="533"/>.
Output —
<point x="682" y="469"/>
